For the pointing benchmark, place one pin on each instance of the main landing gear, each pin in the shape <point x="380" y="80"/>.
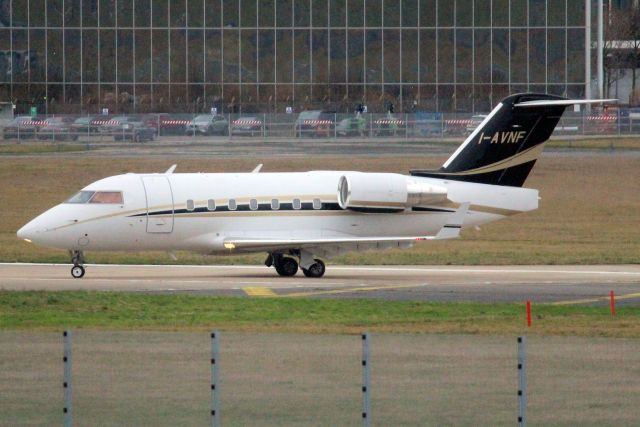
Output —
<point x="287" y="265"/>
<point x="77" y="258"/>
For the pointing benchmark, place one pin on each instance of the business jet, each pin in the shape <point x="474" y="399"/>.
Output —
<point x="301" y="219"/>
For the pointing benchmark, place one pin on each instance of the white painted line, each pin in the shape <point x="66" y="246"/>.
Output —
<point x="464" y="270"/>
<point x="425" y="269"/>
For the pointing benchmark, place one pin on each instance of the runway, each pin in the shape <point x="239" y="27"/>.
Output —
<point x="486" y="284"/>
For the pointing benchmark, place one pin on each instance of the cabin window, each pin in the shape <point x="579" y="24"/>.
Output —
<point x="211" y="205"/>
<point x="81" y="197"/>
<point x="275" y="204"/>
<point x="317" y="204"/>
<point x="253" y="204"/>
<point x="190" y="205"/>
<point x="297" y="204"/>
<point x="232" y="205"/>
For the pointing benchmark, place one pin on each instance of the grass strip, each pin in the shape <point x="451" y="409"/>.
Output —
<point x="111" y="310"/>
<point x="41" y="149"/>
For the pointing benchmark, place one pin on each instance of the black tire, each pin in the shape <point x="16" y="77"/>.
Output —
<point x="77" y="271"/>
<point x="286" y="266"/>
<point x="316" y="270"/>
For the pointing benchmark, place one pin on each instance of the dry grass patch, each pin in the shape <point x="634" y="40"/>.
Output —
<point x="588" y="211"/>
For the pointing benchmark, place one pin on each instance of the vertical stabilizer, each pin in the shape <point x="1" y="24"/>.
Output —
<point x="505" y="146"/>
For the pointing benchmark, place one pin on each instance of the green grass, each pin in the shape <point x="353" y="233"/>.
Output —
<point x="44" y="148"/>
<point x="105" y="310"/>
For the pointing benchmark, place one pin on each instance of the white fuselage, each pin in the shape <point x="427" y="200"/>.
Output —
<point x="193" y="211"/>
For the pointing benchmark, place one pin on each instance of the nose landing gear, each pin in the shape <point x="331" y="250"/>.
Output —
<point x="77" y="258"/>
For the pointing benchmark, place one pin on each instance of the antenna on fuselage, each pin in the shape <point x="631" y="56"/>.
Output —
<point x="257" y="168"/>
<point x="171" y="169"/>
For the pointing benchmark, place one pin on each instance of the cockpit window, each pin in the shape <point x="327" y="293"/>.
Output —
<point x="114" y="197"/>
<point x="81" y="197"/>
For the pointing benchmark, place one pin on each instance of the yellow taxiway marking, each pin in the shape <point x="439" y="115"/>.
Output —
<point x="259" y="292"/>
<point x="590" y="300"/>
<point x="349" y="290"/>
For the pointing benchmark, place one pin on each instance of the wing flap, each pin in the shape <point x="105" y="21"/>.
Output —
<point x="450" y="230"/>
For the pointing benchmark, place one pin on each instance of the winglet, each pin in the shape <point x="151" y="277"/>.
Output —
<point x="451" y="229"/>
<point x="257" y="168"/>
<point x="171" y="169"/>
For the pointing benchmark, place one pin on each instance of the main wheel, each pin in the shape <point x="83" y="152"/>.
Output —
<point x="315" y="270"/>
<point x="77" y="271"/>
<point x="286" y="266"/>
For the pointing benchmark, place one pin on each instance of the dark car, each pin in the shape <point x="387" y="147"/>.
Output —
<point x="165" y="124"/>
<point x="135" y="131"/>
<point x="57" y="129"/>
<point x="206" y="124"/>
<point x="114" y="125"/>
<point x="101" y="124"/>
<point x="22" y="127"/>
<point x="84" y="125"/>
<point x="315" y="123"/>
<point x="249" y="125"/>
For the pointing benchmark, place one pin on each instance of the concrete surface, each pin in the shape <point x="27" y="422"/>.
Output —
<point x="557" y="284"/>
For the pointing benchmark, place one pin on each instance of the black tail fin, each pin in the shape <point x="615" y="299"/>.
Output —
<point x="506" y="145"/>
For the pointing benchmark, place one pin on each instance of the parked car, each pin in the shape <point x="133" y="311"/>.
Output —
<point x="114" y="124"/>
<point x="84" y="125"/>
<point x="247" y="125"/>
<point x="315" y="123"/>
<point x="57" y="129"/>
<point x="207" y="124"/>
<point x="474" y="122"/>
<point x="22" y="127"/>
<point x="166" y="124"/>
<point x="353" y="126"/>
<point x="388" y="125"/>
<point x="135" y="131"/>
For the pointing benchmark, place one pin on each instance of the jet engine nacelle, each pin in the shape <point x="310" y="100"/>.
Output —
<point x="387" y="191"/>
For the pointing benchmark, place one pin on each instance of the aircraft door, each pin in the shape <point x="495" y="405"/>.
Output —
<point x="159" y="204"/>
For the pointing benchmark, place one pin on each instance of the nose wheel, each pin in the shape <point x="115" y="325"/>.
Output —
<point x="77" y="258"/>
<point x="77" y="271"/>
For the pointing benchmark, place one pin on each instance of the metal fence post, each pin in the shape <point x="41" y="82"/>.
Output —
<point x="215" y="386"/>
<point x="366" y="381"/>
<point x="66" y="359"/>
<point x="522" y="381"/>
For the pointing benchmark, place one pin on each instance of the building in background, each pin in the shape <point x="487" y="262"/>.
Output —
<point x="265" y="55"/>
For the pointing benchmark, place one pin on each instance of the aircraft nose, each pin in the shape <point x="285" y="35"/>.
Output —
<point x="26" y="233"/>
<point x="31" y="230"/>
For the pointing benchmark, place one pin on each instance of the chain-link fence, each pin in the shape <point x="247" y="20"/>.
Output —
<point x="164" y="378"/>
<point x="308" y="124"/>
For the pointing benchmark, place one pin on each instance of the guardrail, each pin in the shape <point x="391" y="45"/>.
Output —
<point x="148" y="127"/>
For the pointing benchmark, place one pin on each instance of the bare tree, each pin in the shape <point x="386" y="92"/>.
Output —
<point x="631" y="34"/>
<point x="622" y="45"/>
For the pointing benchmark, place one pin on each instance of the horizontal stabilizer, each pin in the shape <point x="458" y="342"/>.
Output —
<point x="563" y="102"/>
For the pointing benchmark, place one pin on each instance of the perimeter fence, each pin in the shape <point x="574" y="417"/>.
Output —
<point x="273" y="379"/>
<point x="147" y="127"/>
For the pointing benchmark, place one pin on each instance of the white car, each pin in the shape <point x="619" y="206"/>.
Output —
<point x="475" y="122"/>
